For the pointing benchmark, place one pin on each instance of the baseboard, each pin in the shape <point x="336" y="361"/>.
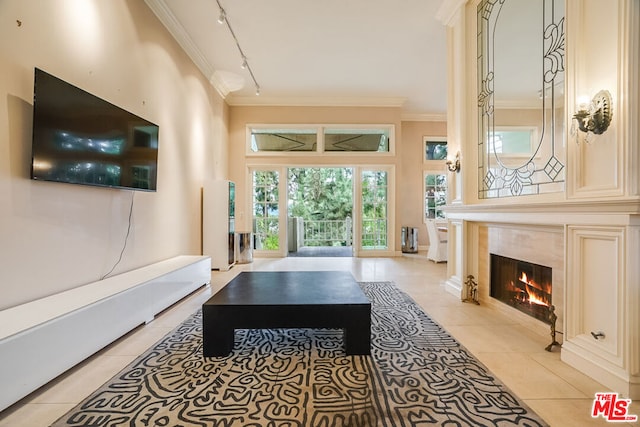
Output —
<point x="611" y="377"/>
<point x="453" y="285"/>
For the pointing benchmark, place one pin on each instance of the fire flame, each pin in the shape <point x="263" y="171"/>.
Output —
<point x="533" y="299"/>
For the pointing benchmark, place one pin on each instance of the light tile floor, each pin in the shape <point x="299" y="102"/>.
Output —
<point x="511" y="350"/>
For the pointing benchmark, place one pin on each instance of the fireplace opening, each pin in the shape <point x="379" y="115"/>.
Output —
<point x="522" y="285"/>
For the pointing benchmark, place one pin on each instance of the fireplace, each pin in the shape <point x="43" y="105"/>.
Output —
<point x="523" y="285"/>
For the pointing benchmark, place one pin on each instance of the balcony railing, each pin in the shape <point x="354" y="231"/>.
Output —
<point x="327" y="232"/>
<point x="322" y="233"/>
<point x="374" y="233"/>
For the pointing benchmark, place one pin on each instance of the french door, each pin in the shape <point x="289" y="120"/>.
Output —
<point x="375" y="219"/>
<point x="373" y="210"/>
<point x="268" y="200"/>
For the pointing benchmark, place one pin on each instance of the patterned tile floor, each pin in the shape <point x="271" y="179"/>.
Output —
<point x="561" y="395"/>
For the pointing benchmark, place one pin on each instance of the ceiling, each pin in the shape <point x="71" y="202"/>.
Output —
<point x="318" y="52"/>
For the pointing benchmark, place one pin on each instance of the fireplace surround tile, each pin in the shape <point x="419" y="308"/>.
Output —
<point x="543" y="245"/>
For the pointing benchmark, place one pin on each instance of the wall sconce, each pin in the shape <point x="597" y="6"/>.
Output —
<point x="594" y="117"/>
<point x="454" y="165"/>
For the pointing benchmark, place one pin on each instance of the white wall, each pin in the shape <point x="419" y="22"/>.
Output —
<point x="57" y="236"/>
<point x="411" y="177"/>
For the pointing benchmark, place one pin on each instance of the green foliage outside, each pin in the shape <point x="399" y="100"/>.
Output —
<point x="271" y="243"/>
<point x="321" y="194"/>
<point x="374" y="209"/>
<point x="265" y="209"/>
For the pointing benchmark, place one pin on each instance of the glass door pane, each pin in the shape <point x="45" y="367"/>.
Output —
<point x="374" y="210"/>
<point x="320" y="211"/>
<point x="266" y="210"/>
<point x="435" y="195"/>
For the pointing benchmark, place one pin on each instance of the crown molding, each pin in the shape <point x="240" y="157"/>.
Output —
<point x="423" y="117"/>
<point x="249" y="101"/>
<point x="257" y="101"/>
<point x="226" y="82"/>
<point x="168" y="19"/>
<point x="448" y="10"/>
<point x="218" y="82"/>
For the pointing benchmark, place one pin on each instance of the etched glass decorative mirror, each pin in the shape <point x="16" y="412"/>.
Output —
<point x="520" y="97"/>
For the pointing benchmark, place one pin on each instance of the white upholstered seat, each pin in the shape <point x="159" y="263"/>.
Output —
<point x="437" y="241"/>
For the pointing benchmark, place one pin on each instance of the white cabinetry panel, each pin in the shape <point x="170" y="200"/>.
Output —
<point x="596" y="285"/>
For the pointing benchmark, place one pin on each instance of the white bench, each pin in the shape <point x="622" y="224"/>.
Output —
<point x="41" y="339"/>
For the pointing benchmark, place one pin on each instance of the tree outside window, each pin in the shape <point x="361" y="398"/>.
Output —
<point x="434" y="148"/>
<point x="374" y="209"/>
<point x="266" y="223"/>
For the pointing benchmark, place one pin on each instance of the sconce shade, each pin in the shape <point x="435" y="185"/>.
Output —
<point x="597" y="118"/>
<point x="454" y="165"/>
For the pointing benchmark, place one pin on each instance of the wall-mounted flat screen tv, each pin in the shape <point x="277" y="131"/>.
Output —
<point x="79" y="138"/>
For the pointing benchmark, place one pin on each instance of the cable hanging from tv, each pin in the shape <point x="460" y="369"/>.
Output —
<point x="223" y="19"/>
<point x="126" y="238"/>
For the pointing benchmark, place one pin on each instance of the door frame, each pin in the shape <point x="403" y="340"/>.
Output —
<point x="359" y="251"/>
<point x="353" y="194"/>
<point x="283" y="214"/>
<point x="282" y="208"/>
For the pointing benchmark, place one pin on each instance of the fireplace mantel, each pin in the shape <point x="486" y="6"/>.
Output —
<point x="594" y="252"/>
<point x="610" y="212"/>
<point x="628" y="206"/>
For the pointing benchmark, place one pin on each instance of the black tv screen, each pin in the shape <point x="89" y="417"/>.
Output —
<point x="79" y="138"/>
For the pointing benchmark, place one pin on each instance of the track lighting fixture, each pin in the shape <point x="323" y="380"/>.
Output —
<point x="224" y="19"/>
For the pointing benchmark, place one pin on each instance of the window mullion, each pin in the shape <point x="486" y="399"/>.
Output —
<point x="320" y="136"/>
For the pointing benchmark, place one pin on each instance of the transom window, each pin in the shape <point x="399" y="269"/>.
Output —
<point x="435" y="148"/>
<point x="373" y="140"/>
<point x="269" y="139"/>
<point x="283" y="140"/>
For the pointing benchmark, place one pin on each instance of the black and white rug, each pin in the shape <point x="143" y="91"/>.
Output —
<point x="417" y="375"/>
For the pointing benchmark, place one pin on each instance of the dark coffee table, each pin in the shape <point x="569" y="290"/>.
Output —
<point x="287" y="299"/>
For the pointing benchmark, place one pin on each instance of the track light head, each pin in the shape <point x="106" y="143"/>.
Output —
<point x="222" y="19"/>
